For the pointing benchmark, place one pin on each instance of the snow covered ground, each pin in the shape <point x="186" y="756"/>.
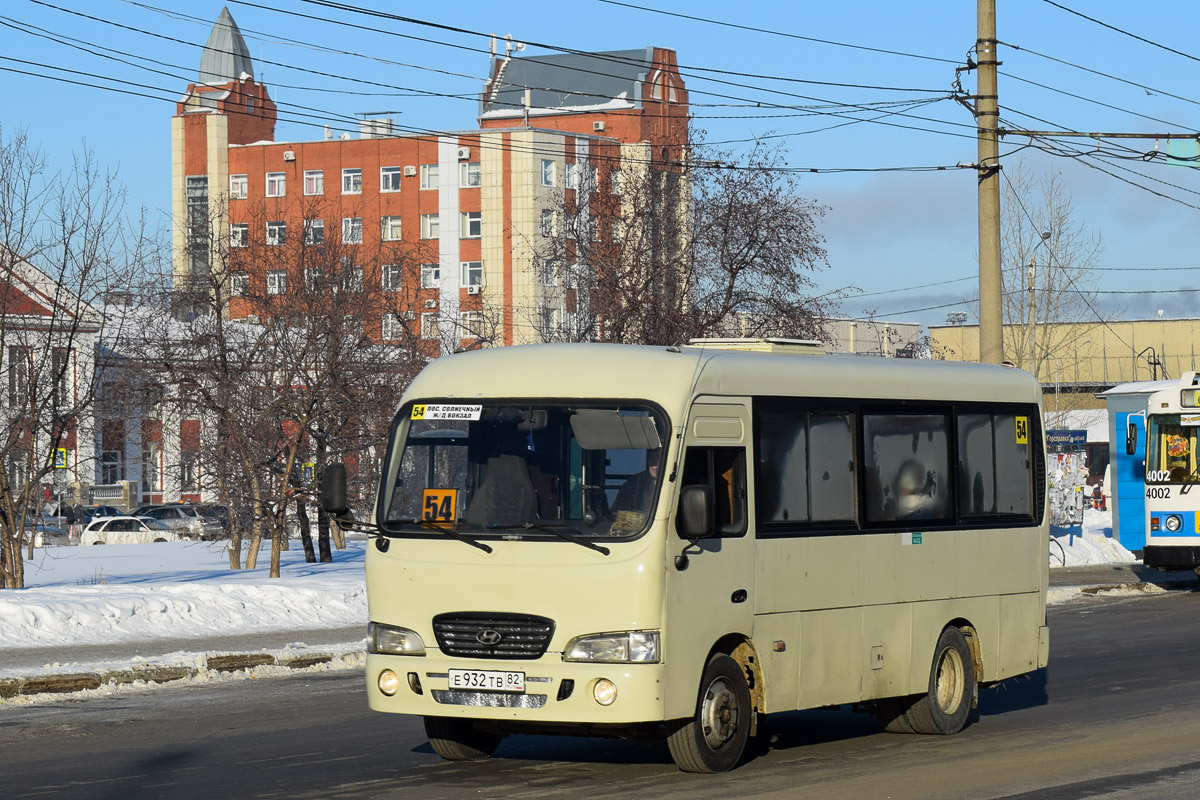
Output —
<point x="123" y="593"/>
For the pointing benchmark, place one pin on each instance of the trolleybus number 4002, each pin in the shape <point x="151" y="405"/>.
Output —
<point x="488" y="679"/>
<point x="1158" y="492"/>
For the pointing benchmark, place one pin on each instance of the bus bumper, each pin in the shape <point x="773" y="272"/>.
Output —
<point x="1171" y="556"/>
<point x="556" y="692"/>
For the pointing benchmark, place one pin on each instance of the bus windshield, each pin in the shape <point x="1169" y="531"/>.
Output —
<point x="524" y="470"/>
<point x="1171" y="451"/>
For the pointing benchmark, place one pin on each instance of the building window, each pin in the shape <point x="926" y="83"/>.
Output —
<point x="276" y="281"/>
<point x="276" y="184"/>
<point x="430" y="228"/>
<point x="429" y="176"/>
<point x="429" y="325"/>
<point x="572" y="171"/>
<point x="239" y="284"/>
<point x="393" y="327"/>
<point x="352" y="230"/>
<point x="616" y="179"/>
<point x="393" y="275"/>
<point x="472" y="273"/>
<point x="352" y="181"/>
<point x="354" y="281"/>
<point x="314" y="182"/>
<point x="549" y="272"/>
<point x="111" y="466"/>
<point x="237" y="187"/>
<point x="314" y="279"/>
<point x="19" y="359"/>
<point x="548" y="166"/>
<point x="470" y="323"/>
<point x="431" y="276"/>
<point x="314" y="231"/>
<point x="547" y="222"/>
<point x="389" y="178"/>
<point x="188" y="462"/>
<point x="198" y="223"/>
<point x="469" y="174"/>
<point x="471" y="224"/>
<point x="239" y="234"/>
<point x="276" y="232"/>
<point x="151" y="453"/>
<point x="389" y="228"/>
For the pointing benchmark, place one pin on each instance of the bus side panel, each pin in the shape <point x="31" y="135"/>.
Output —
<point x="930" y="619"/>
<point x="781" y="667"/>
<point x="887" y="650"/>
<point x="1019" y="641"/>
<point x="831" y="657"/>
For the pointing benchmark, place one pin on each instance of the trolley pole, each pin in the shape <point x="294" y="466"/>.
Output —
<point x="987" y="116"/>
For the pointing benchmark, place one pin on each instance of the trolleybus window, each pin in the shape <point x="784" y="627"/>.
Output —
<point x="1171" y="456"/>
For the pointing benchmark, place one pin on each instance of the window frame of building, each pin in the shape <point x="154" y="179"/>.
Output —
<point x="430" y="176"/>
<point x="314" y="231"/>
<point x="549" y="223"/>
<point x="276" y="281"/>
<point x="314" y="182"/>
<point x="470" y="175"/>
<point x="471" y="273"/>
<point x="549" y="172"/>
<point x="352" y="180"/>
<point x="469" y="323"/>
<point x="391" y="228"/>
<point x="431" y="275"/>
<point x="239" y="187"/>
<point x="390" y="179"/>
<point x="239" y="284"/>
<point x="239" y="234"/>
<point x="431" y="227"/>
<point x="392" y="277"/>
<point x="392" y="327"/>
<point x="355" y="284"/>
<point x="276" y="184"/>
<point x="429" y="325"/>
<point x="352" y="230"/>
<point x="112" y="467"/>
<point x="276" y="232"/>
<point x="470" y="224"/>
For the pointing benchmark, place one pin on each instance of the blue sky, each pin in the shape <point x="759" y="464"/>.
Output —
<point x="889" y="233"/>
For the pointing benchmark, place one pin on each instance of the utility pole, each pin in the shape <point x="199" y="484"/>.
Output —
<point x="987" y="117"/>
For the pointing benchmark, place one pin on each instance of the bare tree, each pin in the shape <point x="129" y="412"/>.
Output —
<point x="667" y="247"/>
<point x="64" y="245"/>
<point x="1048" y="262"/>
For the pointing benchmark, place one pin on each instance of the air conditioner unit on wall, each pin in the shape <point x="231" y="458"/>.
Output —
<point x="598" y="125"/>
<point x="431" y="303"/>
<point x="476" y="289"/>
<point x="464" y="153"/>
<point x="410" y="172"/>
<point x="289" y="155"/>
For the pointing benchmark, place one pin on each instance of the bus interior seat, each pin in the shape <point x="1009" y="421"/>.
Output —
<point x="505" y="495"/>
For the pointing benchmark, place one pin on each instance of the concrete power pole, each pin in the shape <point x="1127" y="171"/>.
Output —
<point x="987" y="116"/>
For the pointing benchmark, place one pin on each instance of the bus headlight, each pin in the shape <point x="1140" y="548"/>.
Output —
<point x="1173" y="522"/>
<point x="393" y="640"/>
<point x="614" y="648"/>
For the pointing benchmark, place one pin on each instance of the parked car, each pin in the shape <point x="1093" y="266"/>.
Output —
<point x="183" y="518"/>
<point x="212" y="512"/>
<point x="126" y="530"/>
<point x="85" y="514"/>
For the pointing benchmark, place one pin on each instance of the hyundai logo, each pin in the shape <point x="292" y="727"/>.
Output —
<point x="488" y="637"/>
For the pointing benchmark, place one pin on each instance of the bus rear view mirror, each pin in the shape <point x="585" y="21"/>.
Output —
<point x="333" y="489"/>
<point x="1131" y="437"/>
<point x="696" y="512"/>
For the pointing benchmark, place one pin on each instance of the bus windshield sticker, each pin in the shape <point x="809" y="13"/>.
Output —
<point x="1022" y="430"/>
<point x="1189" y="419"/>
<point x="439" y="505"/>
<point x="422" y="411"/>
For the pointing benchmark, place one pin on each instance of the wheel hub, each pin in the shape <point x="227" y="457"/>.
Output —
<point x="719" y="714"/>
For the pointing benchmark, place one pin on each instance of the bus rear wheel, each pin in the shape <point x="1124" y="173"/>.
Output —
<point x="945" y="707"/>
<point x="714" y="740"/>
<point x="460" y="739"/>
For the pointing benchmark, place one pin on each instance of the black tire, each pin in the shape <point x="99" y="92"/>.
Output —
<point x="944" y="709"/>
<point x="459" y="739"/>
<point x="892" y="713"/>
<point x="715" y="738"/>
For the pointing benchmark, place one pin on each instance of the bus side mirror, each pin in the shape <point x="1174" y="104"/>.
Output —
<point x="696" y="512"/>
<point x="333" y="490"/>
<point x="1131" y="437"/>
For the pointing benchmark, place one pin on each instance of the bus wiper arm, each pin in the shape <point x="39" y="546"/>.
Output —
<point x="1190" y="481"/>
<point x="561" y="533"/>
<point x="453" y="534"/>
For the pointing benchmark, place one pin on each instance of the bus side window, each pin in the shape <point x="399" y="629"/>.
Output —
<point x="724" y="470"/>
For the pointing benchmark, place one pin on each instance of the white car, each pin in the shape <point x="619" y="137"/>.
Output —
<point x="185" y="519"/>
<point x="126" y="530"/>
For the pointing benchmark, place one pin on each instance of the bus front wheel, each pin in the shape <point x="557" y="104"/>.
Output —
<point x="460" y="739"/>
<point x="713" y="740"/>
<point x="946" y="706"/>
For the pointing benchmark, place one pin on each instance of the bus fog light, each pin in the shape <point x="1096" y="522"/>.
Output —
<point x="1173" y="523"/>
<point x="388" y="682"/>
<point x="604" y="691"/>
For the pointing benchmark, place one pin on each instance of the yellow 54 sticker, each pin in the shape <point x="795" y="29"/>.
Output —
<point x="439" y="505"/>
<point x="1022" y="430"/>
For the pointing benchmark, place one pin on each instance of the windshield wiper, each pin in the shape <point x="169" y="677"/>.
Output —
<point x="453" y="534"/>
<point x="566" y="534"/>
<point x="1190" y="481"/>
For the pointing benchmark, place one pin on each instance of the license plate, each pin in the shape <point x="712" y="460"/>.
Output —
<point x="487" y="680"/>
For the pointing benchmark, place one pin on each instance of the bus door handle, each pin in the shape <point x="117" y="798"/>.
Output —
<point x="739" y="596"/>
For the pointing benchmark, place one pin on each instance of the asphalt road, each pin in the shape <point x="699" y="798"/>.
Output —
<point x="1114" y="716"/>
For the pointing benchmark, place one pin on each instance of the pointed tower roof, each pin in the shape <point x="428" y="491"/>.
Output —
<point x="226" y="57"/>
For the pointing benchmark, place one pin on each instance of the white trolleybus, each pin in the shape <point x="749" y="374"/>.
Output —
<point x="671" y="542"/>
<point x="1172" y="476"/>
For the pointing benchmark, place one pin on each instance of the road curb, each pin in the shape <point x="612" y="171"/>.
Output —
<point x="67" y="682"/>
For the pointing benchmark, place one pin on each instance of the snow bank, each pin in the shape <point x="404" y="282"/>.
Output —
<point x="1090" y="543"/>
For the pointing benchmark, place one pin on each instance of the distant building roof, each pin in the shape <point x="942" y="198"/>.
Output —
<point x="226" y="57"/>
<point x="569" y="83"/>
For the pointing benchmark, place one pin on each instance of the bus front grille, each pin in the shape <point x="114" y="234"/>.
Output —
<point x="481" y="635"/>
